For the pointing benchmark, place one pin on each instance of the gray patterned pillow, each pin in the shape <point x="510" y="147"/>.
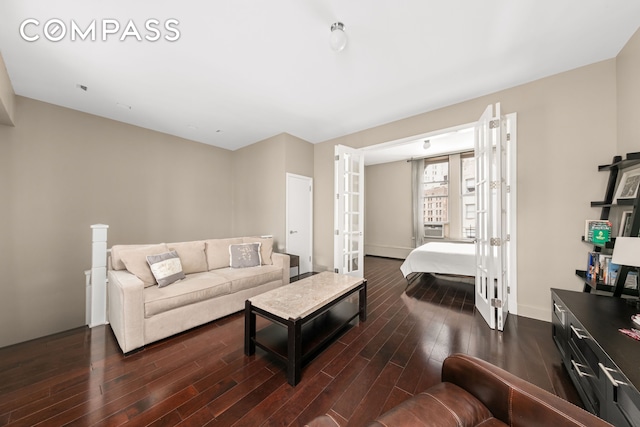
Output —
<point x="245" y="255"/>
<point x="166" y="268"/>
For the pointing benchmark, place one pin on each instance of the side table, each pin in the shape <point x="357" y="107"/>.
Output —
<point x="294" y="262"/>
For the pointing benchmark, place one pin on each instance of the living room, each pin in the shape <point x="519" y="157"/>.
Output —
<point x="62" y="170"/>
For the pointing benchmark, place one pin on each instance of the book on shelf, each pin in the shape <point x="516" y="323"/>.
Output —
<point x="612" y="273"/>
<point x="597" y="231"/>
<point x="632" y="280"/>
<point x="592" y="266"/>
<point x="604" y="261"/>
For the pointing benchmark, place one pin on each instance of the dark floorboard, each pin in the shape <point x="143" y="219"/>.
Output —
<point x="202" y="377"/>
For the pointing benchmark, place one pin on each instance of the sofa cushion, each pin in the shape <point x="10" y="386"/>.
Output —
<point x="246" y="278"/>
<point x="192" y="256"/>
<point x="114" y="254"/>
<point x="244" y="255"/>
<point x="194" y="288"/>
<point x="218" y="252"/>
<point x="135" y="261"/>
<point x="166" y="268"/>
<point x="445" y="402"/>
<point x="266" y="247"/>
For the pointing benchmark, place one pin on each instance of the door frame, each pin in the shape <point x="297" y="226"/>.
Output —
<point x="287" y="201"/>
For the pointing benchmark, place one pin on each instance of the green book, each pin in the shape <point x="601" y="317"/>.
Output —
<point x="598" y="232"/>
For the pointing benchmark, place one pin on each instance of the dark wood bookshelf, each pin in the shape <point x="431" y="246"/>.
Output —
<point x="617" y="165"/>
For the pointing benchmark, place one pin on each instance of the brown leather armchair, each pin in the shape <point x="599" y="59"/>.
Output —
<point x="473" y="393"/>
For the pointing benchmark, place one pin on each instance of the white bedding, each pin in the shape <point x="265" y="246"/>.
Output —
<point x="443" y="258"/>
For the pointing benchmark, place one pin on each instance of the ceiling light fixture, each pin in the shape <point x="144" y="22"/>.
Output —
<point x="426" y="144"/>
<point x="338" y="38"/>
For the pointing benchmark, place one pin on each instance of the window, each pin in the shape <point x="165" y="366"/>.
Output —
<point x="468" y="195"/>
<point x="435" y="186"/>
<point x="446" y="196"/>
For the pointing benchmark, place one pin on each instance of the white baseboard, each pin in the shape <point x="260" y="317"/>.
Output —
<point x="388" y="251"/>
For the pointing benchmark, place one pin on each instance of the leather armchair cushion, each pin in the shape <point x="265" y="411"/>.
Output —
<point x="444" y="404"/>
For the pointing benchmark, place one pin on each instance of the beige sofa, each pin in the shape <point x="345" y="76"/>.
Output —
<point x="141" y="311"/>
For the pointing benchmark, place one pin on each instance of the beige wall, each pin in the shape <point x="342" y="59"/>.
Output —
<point x="566" y="128"/>
<point x="259" y="184"/>
<point x="628" y="80"/>
<point x="388" y="218"/>
<point x="7" y="96"/>
<point x="298" y="156"/>
<point x="60" y="172"/>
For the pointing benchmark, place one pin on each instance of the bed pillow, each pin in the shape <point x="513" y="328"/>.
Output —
<point x="166" y="268"/>
<point x="244" y="255"/>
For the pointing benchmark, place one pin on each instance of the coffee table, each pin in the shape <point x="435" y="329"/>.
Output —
<point x="306" y="315"/>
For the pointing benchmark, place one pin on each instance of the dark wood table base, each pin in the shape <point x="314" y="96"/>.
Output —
<point x="296" y="341"/>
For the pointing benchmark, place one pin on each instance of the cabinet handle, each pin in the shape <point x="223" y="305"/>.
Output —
<point x="607" y="372"/>
<point x="578" y="334"/>
<point x="577" y="367"/>
<point x="560" y="311"/>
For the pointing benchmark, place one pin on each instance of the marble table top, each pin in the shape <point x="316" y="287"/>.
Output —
<point x="301" y="298"/>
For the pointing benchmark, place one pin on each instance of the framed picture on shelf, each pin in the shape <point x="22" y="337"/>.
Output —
<point x="628" y="186"/>
<point x="625" y="224"/>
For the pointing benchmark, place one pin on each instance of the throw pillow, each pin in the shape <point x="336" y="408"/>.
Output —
<point x="166" y="268"/>
<point x="266" y="247"/>
<point x="135" y="260"/>
<point x="245" y="255"/>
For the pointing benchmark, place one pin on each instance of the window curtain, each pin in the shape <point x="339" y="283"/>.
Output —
<point x="417" y="178"/>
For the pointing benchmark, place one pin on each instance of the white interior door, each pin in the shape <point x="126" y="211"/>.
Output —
<point x="299" y="219"/>
<point x="492" y="217"/>
<point x="349" y="211"/>
<point x="484" y="211"/>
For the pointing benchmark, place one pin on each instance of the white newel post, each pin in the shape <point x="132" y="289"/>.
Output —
<point x="99" y="275"/>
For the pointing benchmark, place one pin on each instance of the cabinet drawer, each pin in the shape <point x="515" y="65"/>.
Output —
<point x="623" y="400"/>
<point x="587" y="351"/>
<point x="583" y="376"/>
<point x="558" y="327"/>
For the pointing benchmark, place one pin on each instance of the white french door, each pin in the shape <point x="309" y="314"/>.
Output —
<point x="494" y="249"/>
<point x="349" y="211"/>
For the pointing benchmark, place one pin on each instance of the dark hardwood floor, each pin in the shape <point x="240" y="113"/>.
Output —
<point x="202" y="377"/>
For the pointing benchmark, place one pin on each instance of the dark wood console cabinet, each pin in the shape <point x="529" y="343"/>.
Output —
<point x="603" y="363"/>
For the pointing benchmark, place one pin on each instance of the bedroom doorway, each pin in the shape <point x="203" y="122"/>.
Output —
<point x="389" y="174"/>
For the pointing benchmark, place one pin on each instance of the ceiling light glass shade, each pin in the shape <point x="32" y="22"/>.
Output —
<point x="338" y="39"/>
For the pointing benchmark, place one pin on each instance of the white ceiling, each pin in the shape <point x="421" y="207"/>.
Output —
<point x="444" y="141"/>
<point x="242" y="70"/>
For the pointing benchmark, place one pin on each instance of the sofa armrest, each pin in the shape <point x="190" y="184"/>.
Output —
<point x="513" y="400"/>
<point x="126" y="309"/>
<point x="283" y="261"/>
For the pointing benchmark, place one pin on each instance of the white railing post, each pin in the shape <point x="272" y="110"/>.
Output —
<point x="98" y="287"/>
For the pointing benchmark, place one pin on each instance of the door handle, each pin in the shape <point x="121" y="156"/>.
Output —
<point x="293" y="231"/>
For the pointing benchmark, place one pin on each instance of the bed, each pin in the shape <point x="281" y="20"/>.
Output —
<point x="441" y="258"/>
